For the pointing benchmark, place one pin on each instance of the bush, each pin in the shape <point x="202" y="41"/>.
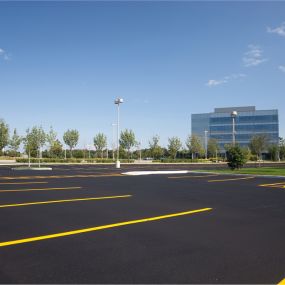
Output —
<point x="236" y="157"/>
<point x="71" y="160"/>
<point x="182" y="160"/>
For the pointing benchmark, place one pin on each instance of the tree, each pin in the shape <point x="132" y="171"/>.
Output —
<point x="174" y="145"/>
<point x="258" y="144"/>
<point x="4" y="135"/>
<point x="34" y="141"/>
<point x="56" y="149"/>
<point x="51" y="139"/>
<point x="128" y="140"/>
<point x="273" y="151"/>
<point x="236" y="157"/>
<point x="194" y="145"/>
<point x="100" y="142"/>
<point x="29" y="144"/>
<point x="282" y="148"/>
<point x="213" y="147"/>
<point x="71" y="138"/>
<point x="15" y="142"/>
<point x="155" y="149"/>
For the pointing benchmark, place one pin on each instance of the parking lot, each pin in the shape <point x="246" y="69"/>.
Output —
<point x="95" y="224"/>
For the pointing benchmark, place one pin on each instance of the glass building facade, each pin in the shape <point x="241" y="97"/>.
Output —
<point x="248" y="122"/>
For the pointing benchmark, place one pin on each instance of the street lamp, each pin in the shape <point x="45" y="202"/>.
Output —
<point x="206" y="144"/>
<point x="113" y="140"/>
<point x="118" y="101"/>
<point x="234" y="115"/>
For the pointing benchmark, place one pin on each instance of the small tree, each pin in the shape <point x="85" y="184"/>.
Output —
<point x="34" y="140"/>
<point x="14" y="142"/>
<point x="51" y="139"/>
<point x="194" y="145"/>
<point x="100" y="142"/>
<point x="174" y="145"/>
<point x="273" y="151"/>
<point x="236" y="157"/>
<point x="282" y="148"/>
<point x="71" y="138"/>
<point x="155" y="149"/>
<point x="213" y="147"/>
<point x="56" y="149"/>
<point x="4" y="135"/>
<point x="128" y="140"/>
<point x="29" y="144"/>
<point x="258" y="144"/>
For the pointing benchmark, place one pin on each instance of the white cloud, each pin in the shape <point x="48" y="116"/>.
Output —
<point x="281" y="68"/>
<point x="225" y="79"/>
<point x="278" y="30"/>
<point x="213" y="82"/>
<point x="3" y="54"/>
<point x="253" y="56"/>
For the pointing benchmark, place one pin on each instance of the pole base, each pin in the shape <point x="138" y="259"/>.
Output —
<point x="118" y="164"/>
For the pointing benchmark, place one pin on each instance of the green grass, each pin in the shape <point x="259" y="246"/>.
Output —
<point x="280" y="171"/>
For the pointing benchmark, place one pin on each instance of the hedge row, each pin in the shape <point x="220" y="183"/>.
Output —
<point x="181" y="160"/>
<point x="70" y="160"/>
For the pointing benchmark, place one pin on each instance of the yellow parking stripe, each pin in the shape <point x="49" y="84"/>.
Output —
<point x="282" y="282"/>
<point x="86" y="230"/>
<point x="58" y="176"/>
<point x="232" y="179"/>
<point x="22" y="183"/>
<point x="193" y="176"/>
<point x="40" y="189"/>
<point x="279" y="184"/>
<point x="63" y="201"/>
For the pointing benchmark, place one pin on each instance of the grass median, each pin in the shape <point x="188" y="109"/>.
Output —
<point x="276" y="171"/>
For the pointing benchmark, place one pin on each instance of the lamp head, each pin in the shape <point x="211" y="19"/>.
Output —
<point x="119" y="101"/>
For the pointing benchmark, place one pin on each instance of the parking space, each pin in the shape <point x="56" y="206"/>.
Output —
<point x="69" y="226"/>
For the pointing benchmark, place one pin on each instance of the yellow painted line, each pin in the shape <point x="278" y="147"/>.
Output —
<point x="86" y="230"/>
<point x="282" y="282"/>
<point x="193" y="176"/>
<point x="40" y="189"/>
<point x="58" y="176"/>
<point x="22" y="183"/>
<point x="63" y="201"/>
<point x="273" y="184"/>
<point x="232" y="179"/>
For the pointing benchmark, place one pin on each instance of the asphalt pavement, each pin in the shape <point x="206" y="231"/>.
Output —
<point x="92" y="224"/>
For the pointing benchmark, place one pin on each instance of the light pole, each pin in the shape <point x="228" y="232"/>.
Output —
<point x="113" y="140"/>
<point x="234" y="115"/>
<point x="206" y="144"/>
<point x="118" y="101"/>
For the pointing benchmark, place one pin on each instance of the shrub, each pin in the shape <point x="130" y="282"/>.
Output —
<point x="70" y="160"/>
<point x="236" y="157"/>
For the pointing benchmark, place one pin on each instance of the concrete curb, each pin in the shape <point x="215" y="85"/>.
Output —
<point x="31" y="168"/>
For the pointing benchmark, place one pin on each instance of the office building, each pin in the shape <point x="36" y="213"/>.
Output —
<point x="247" y="122"/>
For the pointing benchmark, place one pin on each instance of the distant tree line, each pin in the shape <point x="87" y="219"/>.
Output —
<point x="38" y="143"/>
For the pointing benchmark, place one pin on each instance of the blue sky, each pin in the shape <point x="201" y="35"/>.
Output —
<point x="64" y="63"/>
